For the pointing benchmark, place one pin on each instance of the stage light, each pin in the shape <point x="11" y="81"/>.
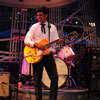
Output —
<point x="76" y="22"/>
<point x="48" y="0"/>
<point x="20" y="0"/>
<point x="92" y="24"/>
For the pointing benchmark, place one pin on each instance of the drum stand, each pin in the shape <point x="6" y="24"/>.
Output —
<point x="70" y="80"/>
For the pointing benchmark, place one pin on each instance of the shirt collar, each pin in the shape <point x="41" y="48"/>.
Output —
<point x="46" y="23"/>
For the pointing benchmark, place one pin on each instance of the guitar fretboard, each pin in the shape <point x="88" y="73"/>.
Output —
<point x="52" y="42"/>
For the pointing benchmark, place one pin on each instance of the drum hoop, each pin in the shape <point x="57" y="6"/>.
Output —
<point x="66" y="53"/>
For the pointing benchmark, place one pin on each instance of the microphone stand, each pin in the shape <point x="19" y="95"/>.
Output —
<point x="19" y="34"/>
<point x="33" y="21"/>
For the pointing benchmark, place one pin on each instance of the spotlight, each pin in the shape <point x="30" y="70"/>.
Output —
<point x="20" y="0"/>
<point x="76" y="22"/>
<point x="48" y="0"/>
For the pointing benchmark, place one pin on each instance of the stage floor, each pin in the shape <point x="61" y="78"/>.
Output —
<point x="28" y="93"/>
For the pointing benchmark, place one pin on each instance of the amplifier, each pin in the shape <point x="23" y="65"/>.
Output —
<point x="4" y="84"/>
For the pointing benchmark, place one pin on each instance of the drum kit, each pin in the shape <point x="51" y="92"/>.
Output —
<point x="64" y="63"/>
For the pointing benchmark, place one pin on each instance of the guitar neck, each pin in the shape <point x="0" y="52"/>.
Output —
<point x="52" y="42"/>
<point x="68" y="36"/>
<point x="80" y="40"/>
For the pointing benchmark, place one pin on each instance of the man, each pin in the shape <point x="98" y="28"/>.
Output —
<point x="32" y="39"/>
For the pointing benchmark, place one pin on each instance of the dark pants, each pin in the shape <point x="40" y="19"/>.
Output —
<point x="49" y="63"/>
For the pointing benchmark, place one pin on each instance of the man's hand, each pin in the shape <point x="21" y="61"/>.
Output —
<point x="40" y="46"/>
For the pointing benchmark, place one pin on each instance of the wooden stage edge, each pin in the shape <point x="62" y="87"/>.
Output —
<point x="28" y="93"/>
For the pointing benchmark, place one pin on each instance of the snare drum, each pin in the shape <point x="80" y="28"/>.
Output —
<point x="66" y="53"/>
<point x="61" y="69"/>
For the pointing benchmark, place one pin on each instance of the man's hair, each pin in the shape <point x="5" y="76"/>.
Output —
<point x="43" y="9"/>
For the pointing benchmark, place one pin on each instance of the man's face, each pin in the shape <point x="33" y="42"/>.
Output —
<point x="41" y="17"/>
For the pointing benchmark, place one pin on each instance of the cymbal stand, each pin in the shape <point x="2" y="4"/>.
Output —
<point x="70" y="79"/>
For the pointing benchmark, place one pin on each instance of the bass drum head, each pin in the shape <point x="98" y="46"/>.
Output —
<point x="62" y="71"/>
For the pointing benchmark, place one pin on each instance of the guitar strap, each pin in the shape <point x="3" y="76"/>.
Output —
<point x="49" y="26"/>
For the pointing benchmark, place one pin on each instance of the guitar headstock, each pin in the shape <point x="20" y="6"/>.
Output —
<point x="71" y="35"/>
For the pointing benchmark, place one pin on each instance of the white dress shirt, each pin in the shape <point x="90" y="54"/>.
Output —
<point x="35" y="34"/>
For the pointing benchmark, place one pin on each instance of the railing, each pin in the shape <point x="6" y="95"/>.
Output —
<point x="13" y="55"/>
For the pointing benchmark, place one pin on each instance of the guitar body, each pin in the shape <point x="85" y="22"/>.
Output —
<point x="34" y="55"/>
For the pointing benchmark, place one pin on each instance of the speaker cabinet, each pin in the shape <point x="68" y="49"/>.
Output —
<point x="94" y="86"/>
<point x="95" y="59"/>
<point x="4" y="84"/>
<point x="95" y="68"/>
<point x="95" y="80"/>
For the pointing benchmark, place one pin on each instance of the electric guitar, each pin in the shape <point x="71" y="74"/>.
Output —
<point x="34" y="55"/>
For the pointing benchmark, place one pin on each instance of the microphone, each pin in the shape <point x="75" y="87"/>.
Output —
<point x="35" y="16"/>
<point x="34" y="20"/>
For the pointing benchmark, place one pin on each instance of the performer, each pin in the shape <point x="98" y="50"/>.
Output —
<point x="32" y="39"/>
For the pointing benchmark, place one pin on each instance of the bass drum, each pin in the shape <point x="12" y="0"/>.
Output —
<point x="62" y="71"/>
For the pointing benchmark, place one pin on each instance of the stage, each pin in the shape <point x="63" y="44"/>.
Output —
<point x="28" y="93"/>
